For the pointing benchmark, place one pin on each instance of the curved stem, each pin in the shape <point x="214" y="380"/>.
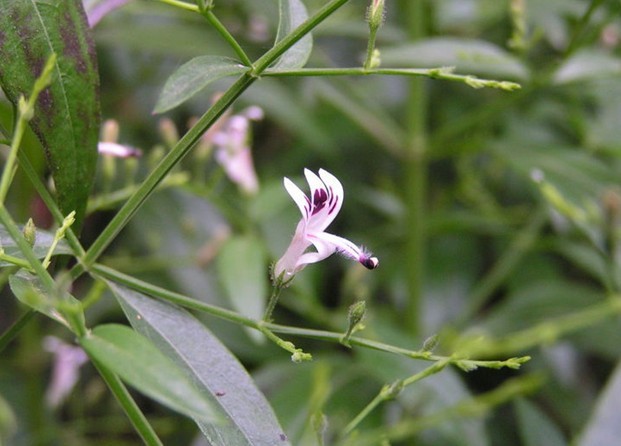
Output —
<point x="185" y="144"/>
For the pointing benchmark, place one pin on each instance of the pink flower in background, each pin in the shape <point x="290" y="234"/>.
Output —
<point x="118" y="150"/>
<point x="65" y="369"/>
<point x="318" y="211"/>
<point x="232" y="141"/>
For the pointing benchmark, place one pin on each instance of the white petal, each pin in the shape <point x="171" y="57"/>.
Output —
<point x="324" y="250"/>
<point x="324" y="202"/>
<point x="299" y="197"/>
<point x="118" y="150"/>
<point x="340" y="244"/>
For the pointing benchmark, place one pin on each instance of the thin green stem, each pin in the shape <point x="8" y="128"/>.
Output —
<point x="25" y="110"/>
<point x="390" y="391"/>
<point x="15" y="261"/>
<point x="14" y="329"/>
<point x="368" y="61"/>
<point x="477" y="406"/>
<point x="185" y="144"/>
<point x="215" y="22"/>
<point x="106" y="273"/>
<point x="131" y="409"/>
<point x="520" y="245"/>
<point x="7" y="221"/>
<point x="579" y="29"/>
<point x="415" y="173"/>
<point x="441" y="73"/>
<point x="290" y="39"/>
<point x="72" y="239"/>
<point x="271" y="304"/>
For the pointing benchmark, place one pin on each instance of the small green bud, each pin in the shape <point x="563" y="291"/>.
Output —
<point x="390" y="391"/>
<point x="357" y="312"/>
<point x="30" y="232"/>
<point x="430" y="343"/>
<point x="25" y="109"/>
<point x="299" y="356"/>
<point x="375" y="14"/>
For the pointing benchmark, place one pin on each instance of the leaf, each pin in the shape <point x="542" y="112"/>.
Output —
<point x="42" y="244"/>
<point x="292" y="13"/>
<point x="535" y="426"/>
<point x="67" y="114"/>
<point x="604" y="427"/>
<point x="136" y="360"/>
<point x="586" y="65"/>
<point x="29" y="291"/>
<point x="210" y="365"/>
<point x="243" y="272"/>
<point x="194" y="76"/>
<point x="467" y="56"/>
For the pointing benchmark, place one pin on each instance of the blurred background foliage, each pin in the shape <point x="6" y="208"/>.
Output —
<point x="521" y="215"/>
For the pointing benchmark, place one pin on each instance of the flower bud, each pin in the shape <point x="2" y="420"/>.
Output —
<point x="30" y="232"/>
<point x="375" y="14"/>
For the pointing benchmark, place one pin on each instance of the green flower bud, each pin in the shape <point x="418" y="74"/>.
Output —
<point x="30" y="232"/>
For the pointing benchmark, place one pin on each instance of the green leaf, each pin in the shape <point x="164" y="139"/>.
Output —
<point x="194" y="76"/>
<point x="29" y="291"/>
<point x="292" y="14"/>
<point x="67" y="114"/>
<point x="136" y="360"/>
<point x="42" y="244"/>
<point x="243" y="271"/>
<point x="535" y="426"/>
<point x="467" y="56"/>
<point x="604" y="427"/>
<point x="586" y="65"/>
<point x="211" y="367"/>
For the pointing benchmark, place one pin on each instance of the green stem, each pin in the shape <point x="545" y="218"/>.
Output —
<point x="389" y="392"/>
<point x="47" y="198"/>
<point x="186" y="143"/>
<point x="520" y="245"/>
<point x="15" y="261"/>
<point x="14" y="329"/>
<point x="105" y="273"/>
<point x="370" y="49"/>
<point x="415" y="172"/>
<point x="213" y="20"/>
<point x="133" y="412"/>
<point x="579" y="29"/>
<point x="271" y="304"/>
<point x="442" y="73"/>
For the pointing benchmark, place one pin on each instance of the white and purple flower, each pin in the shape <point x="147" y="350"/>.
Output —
<point x="318" y="211"/>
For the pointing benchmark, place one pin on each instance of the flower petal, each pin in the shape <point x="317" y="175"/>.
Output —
<point x="299" y="197"/>
<point x="344" y="247"/>
<point x="325" y="202"/>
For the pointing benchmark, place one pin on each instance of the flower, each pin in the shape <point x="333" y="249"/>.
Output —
<point x="232" y="141"/>
<point x="65" y="372"/>
<point x="118" y="150"/>
<point x="318" y="211"/>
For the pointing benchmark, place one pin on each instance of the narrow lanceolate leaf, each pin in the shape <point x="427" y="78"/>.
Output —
<point x="67" y="115"/>
<point x="214" y="370"/>
<point x="292" y="14"/>
<point x="137" y="362"/>
<point x="194" y="76"/>
<point x="43" y="241"/>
